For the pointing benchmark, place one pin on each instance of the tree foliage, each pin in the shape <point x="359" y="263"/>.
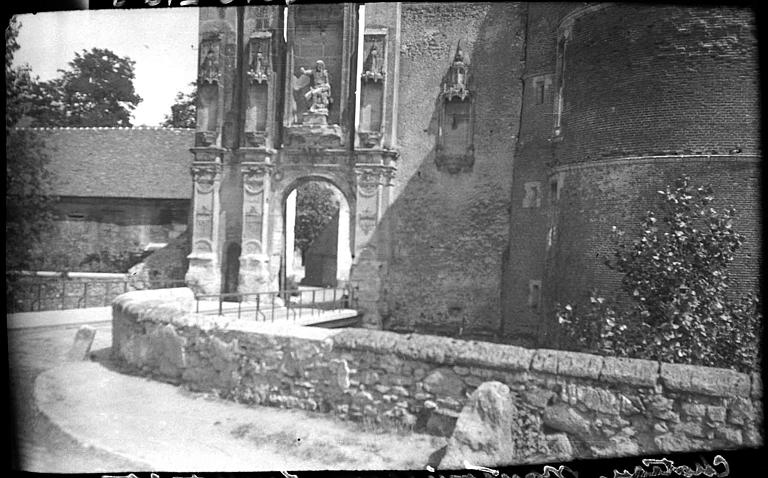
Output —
<point x="184" y="110"/>
<point x="96" y="90"/>
<point x="316" y="207"/>
<point x="676" y="278"/>
<point x="29" y="210"/>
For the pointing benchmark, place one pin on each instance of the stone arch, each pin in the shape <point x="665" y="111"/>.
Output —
<point x="279" y="213"/>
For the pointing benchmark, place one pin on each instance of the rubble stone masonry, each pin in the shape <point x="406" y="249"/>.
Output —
<point x="571" y="404"/>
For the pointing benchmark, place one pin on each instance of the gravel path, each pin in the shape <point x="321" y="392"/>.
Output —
<point x="164" y="427"/>
<point x="40" y="445"/>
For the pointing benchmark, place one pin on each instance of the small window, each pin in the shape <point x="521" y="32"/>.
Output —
<point x="534" y="294"/>
<point x="540" y="92"/>
<point x="553" y="190"/>
<point x="76" y="216"/>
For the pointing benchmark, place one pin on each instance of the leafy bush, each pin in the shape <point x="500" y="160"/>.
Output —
<point x="675" y="277"/>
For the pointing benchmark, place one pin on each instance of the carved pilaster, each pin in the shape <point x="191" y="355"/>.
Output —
<point x="203" y="274"/>
<point x="254" y="258"/>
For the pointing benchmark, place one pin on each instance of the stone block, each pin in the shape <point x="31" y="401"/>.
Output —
<point x="444" y="382"/>
<point x="741" y="411"/>
<point x="559" y="447"/>
<point x="729" y="434"/>
<point x="705" y="380"/>
<point x="341" y="368"/>
<point x="564" y="418"/>
<point x="629" y="406"/>
<point x="716" y="413"/>
<point x="538" y="397"/>
<point x="576" y="364"/>
<point x="674" y="442"/>
<point x="545" y="361"/>
<point x="690" y="428"/>
<point x="694" y="409"/>
<point x="81" y="347"/>
<point x="598" y="400"/>
<point x="639" y="372"/>
<point x="369" y="377"/>
<point x="461" y="370"/>
<point x="398" y="390"/>
<point x="757" y="386"/>
<point x="381" y="388"/>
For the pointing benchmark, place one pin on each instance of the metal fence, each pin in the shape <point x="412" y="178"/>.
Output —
<point x="32" y="293"/>
<point x="282" y="304"/>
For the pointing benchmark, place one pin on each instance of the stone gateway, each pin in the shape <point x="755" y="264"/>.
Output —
<point x="484" y="150"/>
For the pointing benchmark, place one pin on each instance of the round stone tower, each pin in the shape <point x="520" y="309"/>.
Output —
<point x="641" y="96"/>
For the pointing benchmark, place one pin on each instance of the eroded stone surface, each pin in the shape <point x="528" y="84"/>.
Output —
<point x="705" y="380"/>
<point x="483" y="432"/>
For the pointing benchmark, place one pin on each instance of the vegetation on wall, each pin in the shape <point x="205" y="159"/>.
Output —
<point x="29" y="211"/>
<point x="675" y="305"/>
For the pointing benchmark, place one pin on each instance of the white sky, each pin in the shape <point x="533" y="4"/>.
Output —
<point x="162" y="42"/>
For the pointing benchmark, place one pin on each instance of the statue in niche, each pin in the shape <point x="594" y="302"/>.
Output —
<point x="319" y="94"/>
<point x="209" y="68"/>
<point x="372" y="69"/>
<point x="258" y="68"/>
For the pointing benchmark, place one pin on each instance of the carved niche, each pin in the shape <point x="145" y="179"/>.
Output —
<point x="208" y="80"/>
<point x="372" y="87"/>
<point x="260" y="76"/>
<point x="455" y="148"/>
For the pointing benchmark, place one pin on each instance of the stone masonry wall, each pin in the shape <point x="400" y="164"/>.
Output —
<point x="449" y="231"/>
<point x="571" y="404"/>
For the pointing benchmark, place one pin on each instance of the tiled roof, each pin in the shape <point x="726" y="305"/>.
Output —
<point x="120" y="162"/>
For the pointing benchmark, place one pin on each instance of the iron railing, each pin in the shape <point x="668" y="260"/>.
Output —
<point x="270" y="306"/>
<point x="29" y="294"/>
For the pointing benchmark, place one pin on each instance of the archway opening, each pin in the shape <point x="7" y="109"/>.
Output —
<point x="231" y="269"/>
<point x="317" y="236"/>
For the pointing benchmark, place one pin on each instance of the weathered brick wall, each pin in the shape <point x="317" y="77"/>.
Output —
<point x="597" y="197"/>
<point x="449" y="231"/>
<point x="660" y="80"/>
<point x="529" y="222"/>
<point x="639" y="82"/>
<point x="571" y="404"/>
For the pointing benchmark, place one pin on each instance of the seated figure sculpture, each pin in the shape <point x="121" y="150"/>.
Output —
<point x="319" y="94"/>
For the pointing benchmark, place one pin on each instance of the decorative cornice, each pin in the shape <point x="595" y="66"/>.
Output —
<point x="678" y="158"/>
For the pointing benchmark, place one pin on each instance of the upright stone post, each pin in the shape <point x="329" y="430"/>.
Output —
<point x="203" y="275"/>
<point x="254" y="258"/>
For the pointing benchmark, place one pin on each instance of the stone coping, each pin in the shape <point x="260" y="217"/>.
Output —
<point x="175" y="306"/>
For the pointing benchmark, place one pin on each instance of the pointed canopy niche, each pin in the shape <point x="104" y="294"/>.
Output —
<point x="455" y="148"/>
<point x="373" y="86"/>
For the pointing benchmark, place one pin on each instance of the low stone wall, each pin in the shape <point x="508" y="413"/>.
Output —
<point x="569" y="404"/>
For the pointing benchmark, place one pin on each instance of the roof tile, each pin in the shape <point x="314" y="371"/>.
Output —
<point x="112" y="162"/>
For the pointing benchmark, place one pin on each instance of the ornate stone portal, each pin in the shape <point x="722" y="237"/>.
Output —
<point x="247" y="163"/>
